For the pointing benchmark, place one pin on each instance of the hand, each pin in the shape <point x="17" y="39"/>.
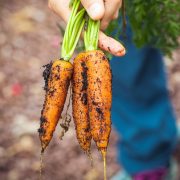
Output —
<point x="97" y="10"/>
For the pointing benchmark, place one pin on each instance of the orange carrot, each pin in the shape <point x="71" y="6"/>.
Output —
<point x="99" y="97"/>
<point x="80" y="106"/>
<point x="57" y="79"/>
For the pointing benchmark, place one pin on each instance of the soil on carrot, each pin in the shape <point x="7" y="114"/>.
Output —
<point x="84" y="76"/>
<point x="46" y="74"/>
<point x="30" y="38"/>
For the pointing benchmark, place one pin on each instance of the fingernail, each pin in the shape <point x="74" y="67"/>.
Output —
<point x="121" y="52"/>
<point x="96" y="11"/>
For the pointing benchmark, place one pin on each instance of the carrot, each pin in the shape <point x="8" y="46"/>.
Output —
<point x="80" y="106"/>
<point x="57" y="84"/>
<point x="58" y="76"/>
<point x="99" y="97"/>
<point x="99" y="89"/>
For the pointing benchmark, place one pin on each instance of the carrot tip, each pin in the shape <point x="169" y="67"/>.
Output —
<point x="104" y="159"/>
<point x="90" y="158"/>
<point x="104" y="153"/>
<point x="41" y="166"/>
<point x="43" y="149"/>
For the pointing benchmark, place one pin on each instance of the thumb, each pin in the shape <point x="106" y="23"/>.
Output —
<point x="95" y="8"/>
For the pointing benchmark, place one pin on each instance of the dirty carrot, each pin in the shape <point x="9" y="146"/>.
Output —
<point x="58" y="79"/>
<point x="58" y="76"/>
<point x="99" y="90"/>
<point x="80" y="106"/>
<point x="99" y="99"/>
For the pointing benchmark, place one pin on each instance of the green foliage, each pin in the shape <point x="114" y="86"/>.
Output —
<point x="91" y="34"/>
<point x="73" y="31"/>
<point x="153" y="22"/>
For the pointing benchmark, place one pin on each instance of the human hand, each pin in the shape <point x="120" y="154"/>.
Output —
<point x="97" y="10"/>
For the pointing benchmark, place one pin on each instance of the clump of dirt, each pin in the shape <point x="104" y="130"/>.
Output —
<point x="46" y="74"/>
<point x="84" y="77"/>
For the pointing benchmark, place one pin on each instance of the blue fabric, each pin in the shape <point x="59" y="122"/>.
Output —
<point x="141" y="110"/>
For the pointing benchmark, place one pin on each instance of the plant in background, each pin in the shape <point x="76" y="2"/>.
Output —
<point x="155" y="23"/>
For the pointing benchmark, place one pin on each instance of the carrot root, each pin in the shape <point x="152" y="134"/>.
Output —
<point x="80" y="106"/>
<point x="57" y="80"/>
<point x="99" y="97"/>
<point x="105" y="164"/>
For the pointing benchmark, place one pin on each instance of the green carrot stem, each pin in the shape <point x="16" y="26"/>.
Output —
<point x="91" y="35"/>
<point x="73" y="31"/>
<point x="79" y="22"/>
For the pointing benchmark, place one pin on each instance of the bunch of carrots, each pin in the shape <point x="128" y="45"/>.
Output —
<point x="91" y="79"/>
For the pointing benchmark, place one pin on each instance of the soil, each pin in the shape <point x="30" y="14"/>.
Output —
<point x="30" y="38"/>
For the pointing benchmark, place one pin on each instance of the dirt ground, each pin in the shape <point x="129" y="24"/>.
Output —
<point x="29" y="38"/>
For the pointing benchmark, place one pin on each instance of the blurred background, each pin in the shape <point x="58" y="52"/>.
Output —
<point x="30" y="38"/>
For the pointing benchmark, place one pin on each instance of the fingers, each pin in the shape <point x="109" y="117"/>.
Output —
<point x="111" y="12"/>
<point x="111" y="45"/>
<point x="62" y="11"/>
<point x="105" y="42"/>
<point x="108" y="11"/>
<point x="95" y="8"/>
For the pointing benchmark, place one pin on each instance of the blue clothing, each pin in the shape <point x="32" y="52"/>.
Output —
<point x="141" y="112"/>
